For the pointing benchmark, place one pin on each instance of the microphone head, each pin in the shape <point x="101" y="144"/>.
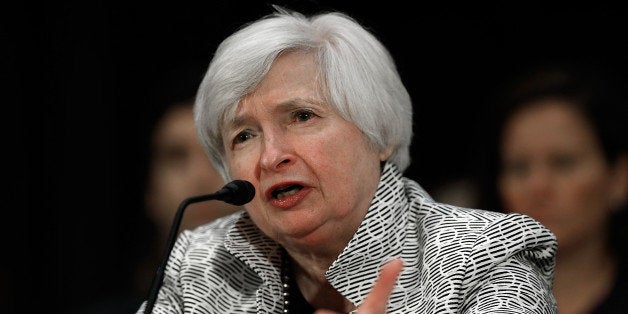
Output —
<point x="239" y="192"/>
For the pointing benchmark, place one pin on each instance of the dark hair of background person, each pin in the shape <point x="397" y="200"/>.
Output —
<point x="597" y="90"/>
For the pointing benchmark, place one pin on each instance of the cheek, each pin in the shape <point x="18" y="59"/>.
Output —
<point x="165" y="183"/>
<point x="511" y="195"/>
<point x="320" y="153"/>
<point x="512" y="202"/>
<point x="241" y="165"/>
<point x="352" y="165"/>
<point x="333" y="156"/>
<point x="587" y="193"/>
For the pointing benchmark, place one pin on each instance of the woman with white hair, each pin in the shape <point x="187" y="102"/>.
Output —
<point x="312" y="112"/>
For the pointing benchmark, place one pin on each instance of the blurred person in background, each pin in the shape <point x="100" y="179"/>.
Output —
<point x="176" y="168"/>
<point x="559" y="155"/>
<point x="179" y="168"/>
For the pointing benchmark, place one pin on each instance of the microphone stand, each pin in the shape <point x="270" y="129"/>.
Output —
<point x="237" y="192"/>
<point x="159" y="276"/>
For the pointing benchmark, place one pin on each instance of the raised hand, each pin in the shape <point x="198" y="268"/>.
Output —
<point x="376" y="301"/>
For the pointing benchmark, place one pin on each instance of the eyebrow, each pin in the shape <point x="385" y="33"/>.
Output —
<point x="283" y="106"/>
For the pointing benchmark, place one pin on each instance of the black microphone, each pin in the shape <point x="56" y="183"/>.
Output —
<point x="237" y="192"/>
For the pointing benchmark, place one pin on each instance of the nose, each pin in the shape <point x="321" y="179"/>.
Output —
<point x="539" y="183"/>
<point x="277" y="151"/>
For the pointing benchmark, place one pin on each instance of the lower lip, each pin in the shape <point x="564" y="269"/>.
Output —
<point x="291" y="200"/>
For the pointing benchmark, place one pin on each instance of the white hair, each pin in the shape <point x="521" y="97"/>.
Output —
<point x="358" y="76"/>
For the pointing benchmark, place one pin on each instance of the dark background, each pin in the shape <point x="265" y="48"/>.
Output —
<point x="81" y="82"/>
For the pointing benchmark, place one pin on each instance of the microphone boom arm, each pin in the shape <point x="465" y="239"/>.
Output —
<point x="238" y="192"/>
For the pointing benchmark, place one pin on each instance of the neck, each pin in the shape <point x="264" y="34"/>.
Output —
<point x="309" y="274"/>
<point x="584" y="276"/>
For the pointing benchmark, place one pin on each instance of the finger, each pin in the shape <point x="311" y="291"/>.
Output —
<point x="377" y="299"/>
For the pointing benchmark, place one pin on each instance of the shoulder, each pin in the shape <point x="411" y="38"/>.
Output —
<point x="478" y="252"/>
<point x="434" y="216"/>
<point x="216" y="228"/>
<point x="202" y="241"/>
<point x="199" y="250"/>
<point x="478" y="233"/>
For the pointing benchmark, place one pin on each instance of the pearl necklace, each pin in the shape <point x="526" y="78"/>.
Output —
<point x="285" y="281"/>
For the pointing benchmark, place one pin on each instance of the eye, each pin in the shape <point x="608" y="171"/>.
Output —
<point x="516" y="168"/>
<point x="302" y="115"/>
<point x="242" y="137"/>
<point x="175" y="155"/>
<point x="563" y="162"/>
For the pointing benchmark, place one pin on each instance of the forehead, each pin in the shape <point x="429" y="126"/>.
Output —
<point x="292" y="81"/>
<point x="179" y="119"/>
<point x="550" y="114"/>
<point x="291" y="74"/>
<point x="554" y="123"/>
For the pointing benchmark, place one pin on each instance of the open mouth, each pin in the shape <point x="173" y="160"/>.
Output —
<point x="285" y="191"/>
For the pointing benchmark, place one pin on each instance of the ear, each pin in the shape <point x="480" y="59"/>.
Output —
<point x="385" y="154"/>
<point x="619" y="188"/>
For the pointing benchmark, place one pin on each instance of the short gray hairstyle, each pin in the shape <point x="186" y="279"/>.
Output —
<point x="358" y="72"/>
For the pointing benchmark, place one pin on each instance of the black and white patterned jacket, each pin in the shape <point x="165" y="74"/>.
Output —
<point x="457" y="260"/>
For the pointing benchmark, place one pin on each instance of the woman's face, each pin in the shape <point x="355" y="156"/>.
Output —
<point x="180" y="169"/>
<point x="314" y="172"/>
<point x="553" y="170"/>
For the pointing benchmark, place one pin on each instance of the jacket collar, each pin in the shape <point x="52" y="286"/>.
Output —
<point x="379" y="238"/>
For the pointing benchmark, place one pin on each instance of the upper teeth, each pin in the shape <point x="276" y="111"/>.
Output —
<point x="287" y="191"/>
